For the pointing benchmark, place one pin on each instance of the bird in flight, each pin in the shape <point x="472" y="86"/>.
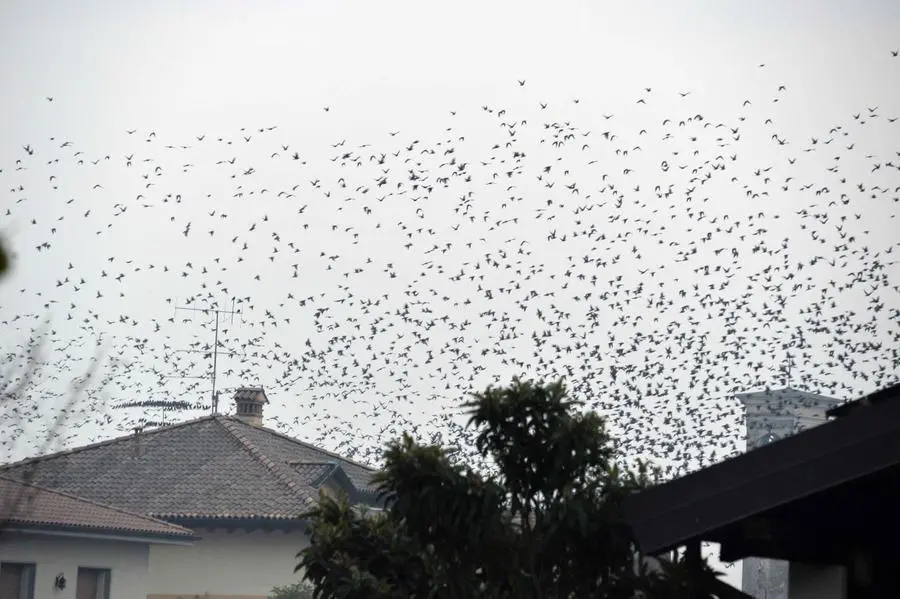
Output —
<point x="415" y="256"/>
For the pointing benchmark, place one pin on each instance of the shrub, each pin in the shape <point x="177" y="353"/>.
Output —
<point x="298" y="590"/>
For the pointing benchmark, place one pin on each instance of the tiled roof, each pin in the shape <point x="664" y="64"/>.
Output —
<point x="314" y="473"/>
<point x="213" y="467"/>
<point x="319" y="473"/>
<point x="30" y="506"/>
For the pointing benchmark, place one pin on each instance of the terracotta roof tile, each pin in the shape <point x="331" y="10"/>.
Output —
<point x="312" y="473"/>
<point x="284" y="450"/>
<point x="212" y="467"/>
<point x="28" y="506"/>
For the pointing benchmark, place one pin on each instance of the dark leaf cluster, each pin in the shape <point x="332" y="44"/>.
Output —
<point x="548" y="524"/>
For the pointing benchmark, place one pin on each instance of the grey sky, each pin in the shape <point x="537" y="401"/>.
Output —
<point x="185" y="70"/>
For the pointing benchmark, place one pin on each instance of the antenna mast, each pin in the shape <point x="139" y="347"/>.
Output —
<point x="215" y="348"/>
<point x="788" y="366"/>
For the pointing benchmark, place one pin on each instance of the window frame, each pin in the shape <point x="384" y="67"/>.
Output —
<point x="27" y="574"/>
<point x="104" y="588"/>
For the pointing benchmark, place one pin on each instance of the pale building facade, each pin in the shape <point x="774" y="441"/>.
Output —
<point x="238" y="491"/>
<point x="59" y="546"/>
<point x="772" y="415"/>
<point x="257" y="561"/>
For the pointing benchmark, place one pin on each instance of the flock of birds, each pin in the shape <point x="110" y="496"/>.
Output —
<point x="659" y="266"/>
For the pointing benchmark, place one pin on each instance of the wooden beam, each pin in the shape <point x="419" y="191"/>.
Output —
<point x="783" y="472"/>
<point x="805" y="549"/>
<point x="694" y="559"/>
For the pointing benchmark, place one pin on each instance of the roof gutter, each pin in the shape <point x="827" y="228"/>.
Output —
<point x="74" y="532"/>
<point x="249" y="523"/>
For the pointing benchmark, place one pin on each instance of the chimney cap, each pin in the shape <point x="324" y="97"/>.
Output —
<point x="249" y="402"/>
<point x="251" y="394"/>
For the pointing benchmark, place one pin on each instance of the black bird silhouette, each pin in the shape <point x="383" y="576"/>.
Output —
<point x="659" y="266"/>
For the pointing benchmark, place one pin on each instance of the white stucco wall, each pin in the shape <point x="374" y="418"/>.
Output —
<point x="53" y="555"/>
<point x="221" y="563"/>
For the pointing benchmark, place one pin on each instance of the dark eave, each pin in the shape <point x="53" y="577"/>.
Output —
<point x="889" y="393"/>
<point x="699" y="504"/>
<point x="100" y="531"/>
<point x="239" y="523"/>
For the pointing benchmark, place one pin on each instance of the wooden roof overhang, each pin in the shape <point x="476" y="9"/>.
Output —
<point x="813" y="497"/>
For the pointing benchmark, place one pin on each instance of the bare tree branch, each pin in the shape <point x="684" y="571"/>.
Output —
<point x="18" y="389"/>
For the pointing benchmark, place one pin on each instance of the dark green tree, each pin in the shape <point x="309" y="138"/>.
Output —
<point x="546" y="524"/>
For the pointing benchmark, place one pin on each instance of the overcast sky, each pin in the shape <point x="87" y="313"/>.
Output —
<point x="176" y="73"/>
<point x="185" y="70"/>
<point x="411" y="244"/>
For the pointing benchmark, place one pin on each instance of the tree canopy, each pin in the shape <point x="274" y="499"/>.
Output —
<point x="545" y="522"/>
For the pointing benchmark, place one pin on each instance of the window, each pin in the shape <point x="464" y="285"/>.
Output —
<point x="93" y="583"/>
<point x="16" y="581"/>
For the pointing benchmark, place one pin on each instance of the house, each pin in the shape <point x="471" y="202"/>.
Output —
<point x="239" y="487"/>
<point x="54" y="544"/>
<point x="778" y="413"/>
<point x="770" y="415"/>
<point x="825" y="500"/>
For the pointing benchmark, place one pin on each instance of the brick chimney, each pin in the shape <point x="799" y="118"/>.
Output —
<point x="249" y="402"/>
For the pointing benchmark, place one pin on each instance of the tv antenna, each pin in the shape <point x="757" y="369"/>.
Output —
<point x="218" y="313"/>
<point x="788" y="365"/>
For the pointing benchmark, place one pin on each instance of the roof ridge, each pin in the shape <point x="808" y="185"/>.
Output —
<point x="333" y="468"/>
<point x="74" y="450"/>
<point x="144" y="517"/>
<point x="806" y="391"/>
<point x="327" y="475"/>
<point x="213" y="417"/>
<point x="303" y="443"/>
<point x="788" y="389"/>
<point x="229" y="425"/>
